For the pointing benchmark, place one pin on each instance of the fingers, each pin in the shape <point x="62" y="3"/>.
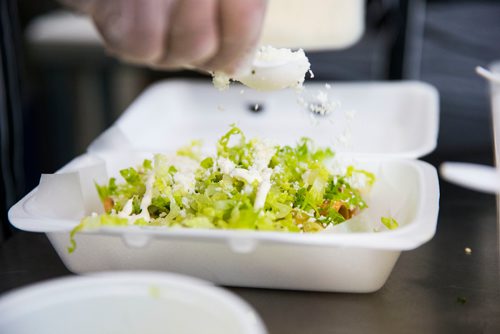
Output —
<point x="214" y="35"/>
<point x="193" y="34"/>
<point x="240" y="24"/>
<point x="134" y="30"/>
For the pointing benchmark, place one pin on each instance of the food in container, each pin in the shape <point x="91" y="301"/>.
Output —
<point x="394" y="124"/>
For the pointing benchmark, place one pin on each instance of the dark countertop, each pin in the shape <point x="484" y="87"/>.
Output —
<point x="437" y="288"/>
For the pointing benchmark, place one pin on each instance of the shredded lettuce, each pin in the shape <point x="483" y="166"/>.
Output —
<point x="389" y="222"/>
<point x="247" y="184"/>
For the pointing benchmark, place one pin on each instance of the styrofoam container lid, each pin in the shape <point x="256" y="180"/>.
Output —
<point x="387" y="119"/>
<point x="126" y="302"/>
<point x="495" y="110"/>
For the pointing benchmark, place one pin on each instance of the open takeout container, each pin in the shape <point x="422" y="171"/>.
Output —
<point x="495" y="116"/>
<point x="389" y="126"/>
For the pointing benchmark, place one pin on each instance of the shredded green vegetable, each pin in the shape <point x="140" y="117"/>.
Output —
<point x="389" y="222"/>
<point x="247" y="184"/>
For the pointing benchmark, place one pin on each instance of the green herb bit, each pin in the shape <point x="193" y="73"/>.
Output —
<point x="389" y="222"/>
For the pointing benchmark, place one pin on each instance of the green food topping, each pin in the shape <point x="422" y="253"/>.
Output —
<point x="389" y="222"/>
<point x="247" y="184"/>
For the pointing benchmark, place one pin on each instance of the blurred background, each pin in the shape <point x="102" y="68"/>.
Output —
<point x="70" y="90"/>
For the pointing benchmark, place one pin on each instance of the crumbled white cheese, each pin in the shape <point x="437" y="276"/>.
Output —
<point x="147" y="198"/>
<point x="263" y="153"/>
<point x="323" y="105"/>
<point x="184" y="181"/>
<point x="229" y="168"/>
<point x="226" y="166"/>
<point x="263" y="189"/>
<point x="249" y="175"/>
<point x="338" y="167"/>
<point x="271" y="69"/>
<point x="322" y="97"/>
<point x="317" y="102"/>
<point x="221" y="80"/>
<point x="258" y="173"/>
<point x="268" y="55"/>
<point x="358" y="180"/>
<point x="127" y="210"/>
<point x="247" y="189"/>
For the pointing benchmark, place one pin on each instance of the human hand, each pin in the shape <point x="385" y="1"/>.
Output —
<point x="210" y="35"/>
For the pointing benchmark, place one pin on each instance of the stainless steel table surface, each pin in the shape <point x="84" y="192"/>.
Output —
<point x="437" y="288"/>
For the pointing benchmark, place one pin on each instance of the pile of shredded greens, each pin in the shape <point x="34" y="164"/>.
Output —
<point x="247" y="184"/>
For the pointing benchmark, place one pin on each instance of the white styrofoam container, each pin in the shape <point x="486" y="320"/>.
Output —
<point x="127" y="302"/>
<point x="394" y="124"/>
<point x="495" y="117"/>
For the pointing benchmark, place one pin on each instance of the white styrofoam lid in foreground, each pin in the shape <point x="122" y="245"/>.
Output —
<point x="393" y="119"/>
<point x="126" y="302"/>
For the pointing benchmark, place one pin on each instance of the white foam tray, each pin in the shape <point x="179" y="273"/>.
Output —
<point x="126" y="303"/>
<point x="394" y="123"/>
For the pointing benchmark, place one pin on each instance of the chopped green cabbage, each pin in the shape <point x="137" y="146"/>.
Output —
<point x="389" y="222"/>
<point x="247" y="184"/>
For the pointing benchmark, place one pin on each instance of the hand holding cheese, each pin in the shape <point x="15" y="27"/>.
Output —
<point x="219" y="36"/>
<point x="210" y="35"/>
